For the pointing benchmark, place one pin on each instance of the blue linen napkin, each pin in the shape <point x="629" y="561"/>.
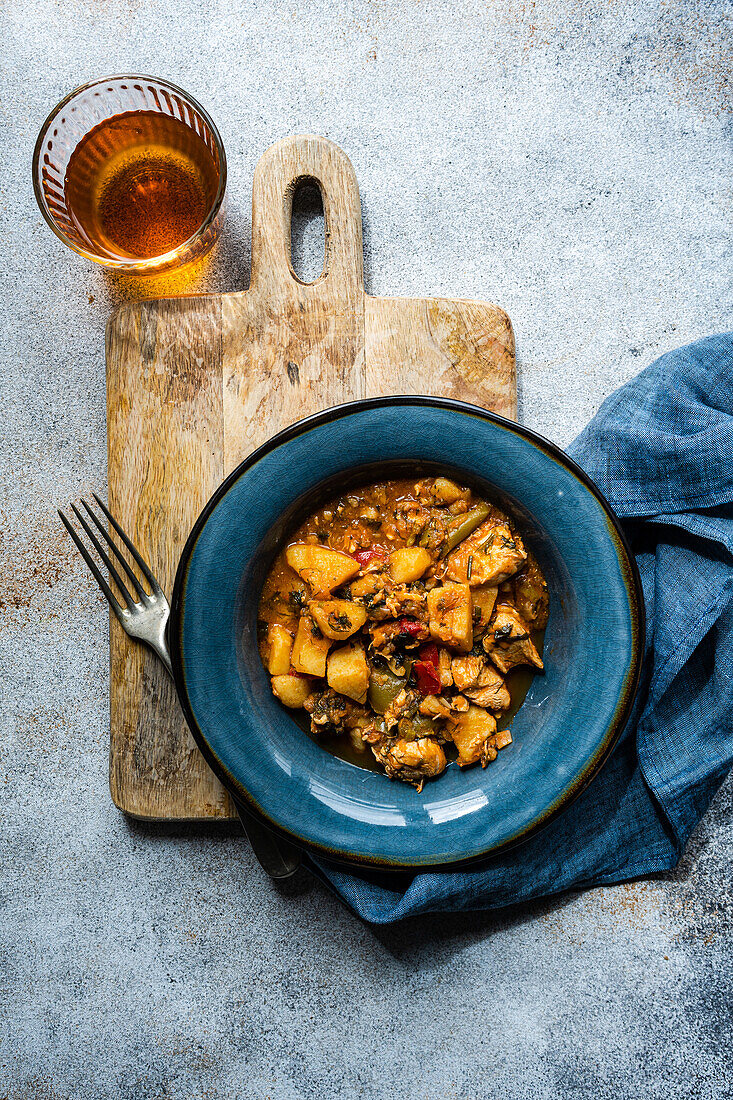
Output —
<point x="661" y="450"/>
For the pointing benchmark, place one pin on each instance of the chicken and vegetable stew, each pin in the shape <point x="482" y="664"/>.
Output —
<point x="396" y="616"/>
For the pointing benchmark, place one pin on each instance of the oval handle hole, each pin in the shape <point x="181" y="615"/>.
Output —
<point x="308" y="232"/>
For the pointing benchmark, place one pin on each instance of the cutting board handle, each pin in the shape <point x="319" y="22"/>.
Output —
<point x="279" y="171"/>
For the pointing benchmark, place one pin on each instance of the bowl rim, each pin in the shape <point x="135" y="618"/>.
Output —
<point x="632" y="581"/>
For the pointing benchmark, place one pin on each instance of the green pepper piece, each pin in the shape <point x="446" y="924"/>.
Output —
<point x="412" y="729"/>
<point x="384" y="687"/>
<point x="466" y="527"/>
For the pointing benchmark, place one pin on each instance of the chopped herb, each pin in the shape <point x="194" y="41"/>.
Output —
<point x="469" y="570"/>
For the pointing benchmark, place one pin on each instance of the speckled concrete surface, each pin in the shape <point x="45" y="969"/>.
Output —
<point x="572" y="161"/>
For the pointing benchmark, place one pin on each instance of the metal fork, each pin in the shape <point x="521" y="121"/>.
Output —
<point x="145" y="619"/>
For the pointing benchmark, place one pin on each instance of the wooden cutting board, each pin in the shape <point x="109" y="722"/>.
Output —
<point x="195" y="384"/>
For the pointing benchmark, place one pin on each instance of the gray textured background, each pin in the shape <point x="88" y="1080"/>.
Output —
<point x="570" y="160"/>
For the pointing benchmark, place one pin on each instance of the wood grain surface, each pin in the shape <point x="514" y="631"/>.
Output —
<point x="195" y="384"/>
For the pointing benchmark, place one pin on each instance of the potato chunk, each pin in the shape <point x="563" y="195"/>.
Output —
<point x="321" y="568"/>
<point x="348" y="672"/>
<point x="473" y="735"/>
<point x="280" y="648"/>
<point x="310" y="648"/>
<point x="451" y="616"/>
<point x="291" y="690"/>
<point x="338" y="619"/>
<point x="408" y="564"/>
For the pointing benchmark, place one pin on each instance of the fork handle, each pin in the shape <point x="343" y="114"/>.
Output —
<point x="158" y="642"/>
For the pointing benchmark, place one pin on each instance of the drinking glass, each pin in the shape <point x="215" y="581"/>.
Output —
<point x="130" y="171"/>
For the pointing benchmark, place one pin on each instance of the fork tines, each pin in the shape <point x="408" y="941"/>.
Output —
<point x="141" y="594"/>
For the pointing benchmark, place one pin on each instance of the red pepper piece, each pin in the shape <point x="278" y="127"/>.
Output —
<point x="366" y="557"/>
<point x="429" y="653"/>
<point x="409" y="626"/>
<point x="426" y="675"/>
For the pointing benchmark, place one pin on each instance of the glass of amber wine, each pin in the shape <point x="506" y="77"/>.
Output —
<point x="130" y="172"/>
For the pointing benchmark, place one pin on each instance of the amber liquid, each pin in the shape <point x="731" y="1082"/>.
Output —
<point x="140" y="184"/>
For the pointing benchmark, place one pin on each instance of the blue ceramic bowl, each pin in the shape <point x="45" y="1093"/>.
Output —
<point x="572" y="716"/>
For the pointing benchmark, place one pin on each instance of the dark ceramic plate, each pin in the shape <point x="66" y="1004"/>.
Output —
<point x="572" y="716"/>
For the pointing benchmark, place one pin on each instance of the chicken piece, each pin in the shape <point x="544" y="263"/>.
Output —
<point x="480" y="682"/>
<point x="451" y="616"/>
<point x="494" y="697"/>
<point x="473" y="735"/>
<point x="409" y="519"/>
<point x="404" y="600"/>
<point x="375" y="731"/>
<point x="411" y="761"/>
<point x="490" y="555"/>
<point x="444" y="668"/>
<point x="466" y="671"/>
<point x="433" y="706"/>
<point x="531" y="598"/>
<point x="507" y="641"/>
<point x="404" y="713"/>
<point x="328" y="712"/>
<point x="352" y="540"/>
